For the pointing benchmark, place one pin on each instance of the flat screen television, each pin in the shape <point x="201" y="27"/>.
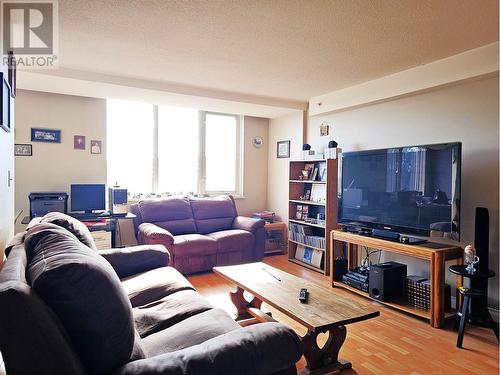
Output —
<point x="88" y="197"/>
<point x="411" y="190"/>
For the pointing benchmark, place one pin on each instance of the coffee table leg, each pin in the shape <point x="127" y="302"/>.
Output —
<point x="324" y="360"/>
<point x="242" y="304"/>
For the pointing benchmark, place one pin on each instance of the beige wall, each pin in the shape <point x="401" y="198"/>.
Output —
<point x="283" y="128"/>
<point x="254" y="167"/>
<point x="467" y="112"/>
<point x="6" y="191"/>
<point x="53" y="167"/>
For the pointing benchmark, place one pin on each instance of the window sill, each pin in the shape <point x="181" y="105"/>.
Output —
<point x="236" y="197"/>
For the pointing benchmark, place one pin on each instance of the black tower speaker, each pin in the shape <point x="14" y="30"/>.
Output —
<point x="481" y="243"/>
<point x="386" y="280"/>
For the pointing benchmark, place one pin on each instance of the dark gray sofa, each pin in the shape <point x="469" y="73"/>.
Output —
<point x="67" y="309"/>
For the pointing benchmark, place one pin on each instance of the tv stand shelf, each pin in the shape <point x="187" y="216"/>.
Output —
<point x="435" y="254"/>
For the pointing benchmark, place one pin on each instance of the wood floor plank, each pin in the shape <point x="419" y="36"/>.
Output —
<point x="393" y="343"/>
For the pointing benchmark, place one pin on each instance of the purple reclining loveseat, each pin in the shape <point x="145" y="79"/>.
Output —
<point x="200" y="233"/>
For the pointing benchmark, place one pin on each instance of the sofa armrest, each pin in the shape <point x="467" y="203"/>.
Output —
<point x="153" y="234"/>
<point x="265" y="348"/>
<point x="248" y="224"/>
<point x="129" y="261"/>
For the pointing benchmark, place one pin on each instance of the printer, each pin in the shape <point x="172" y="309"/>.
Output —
<point x="45" y="202"/>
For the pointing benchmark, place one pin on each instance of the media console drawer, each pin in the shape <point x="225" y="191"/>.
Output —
<point x="102" y="239"/>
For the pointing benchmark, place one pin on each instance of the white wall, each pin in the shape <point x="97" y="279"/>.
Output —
<point x="283" y="128"/>
<point x="467" y="112"/>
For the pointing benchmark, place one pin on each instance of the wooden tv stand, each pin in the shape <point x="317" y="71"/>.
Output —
<point x="435" y="254"/>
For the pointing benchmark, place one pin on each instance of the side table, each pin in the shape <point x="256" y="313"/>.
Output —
<point x="272" y="240"/>
<point x="467" y="294"/>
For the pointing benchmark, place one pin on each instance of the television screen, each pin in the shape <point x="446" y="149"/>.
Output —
<point x="408" y="189"/>
<point x="88" y="197"/>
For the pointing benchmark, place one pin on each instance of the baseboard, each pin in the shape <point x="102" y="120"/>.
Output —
<point x="495" y="313"/>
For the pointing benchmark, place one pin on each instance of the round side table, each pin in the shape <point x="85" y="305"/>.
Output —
<point x="467" y="294"/>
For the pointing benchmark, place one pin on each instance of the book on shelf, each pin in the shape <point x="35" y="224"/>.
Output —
<point x="267" y="216"/>
<point x="314" y="174"/>
<point x="298" y="212"/>
<point x="322" y="171"/>
<point x="304" y="235"/>
<point x="308" y="255"/>
<point x="318" y="193"/>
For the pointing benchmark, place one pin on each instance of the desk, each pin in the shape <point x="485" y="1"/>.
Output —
<point x="435" y="254"/>
<point x="109" y="225"/>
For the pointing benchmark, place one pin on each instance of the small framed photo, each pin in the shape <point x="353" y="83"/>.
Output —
<point x="45" y="135"/>
<point x="96" y="147"/>
<point x="283" y="149"/>
<point x="324" y="129"/>
<point x="23" y="150"/>
<point x="79" y="142"/>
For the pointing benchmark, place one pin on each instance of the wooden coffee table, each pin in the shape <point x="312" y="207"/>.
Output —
<point x="325" y="311"/>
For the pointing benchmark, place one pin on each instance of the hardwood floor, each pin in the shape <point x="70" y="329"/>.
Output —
<point x="394" y="343"/>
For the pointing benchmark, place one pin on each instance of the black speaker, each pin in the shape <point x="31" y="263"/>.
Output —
<point x="481" y="243"/>
<point x="339" y="268"/>
<point x="386" y="280"/>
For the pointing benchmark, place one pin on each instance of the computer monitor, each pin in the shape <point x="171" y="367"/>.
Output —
<point x="88" y="197"/>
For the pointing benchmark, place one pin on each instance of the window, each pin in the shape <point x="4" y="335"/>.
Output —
<point x="170" y="150"/>
<point x="130" y="128"/>
<point x="221" y="157"/>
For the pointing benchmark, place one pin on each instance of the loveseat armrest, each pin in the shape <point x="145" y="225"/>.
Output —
<point x="152" y="234"/>
<point x="132" y="260"/>
<point x="265" y="348"/>
<point x="248" y="224"/>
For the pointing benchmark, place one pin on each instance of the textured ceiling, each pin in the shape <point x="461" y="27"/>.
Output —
<point x="275" y="48"/>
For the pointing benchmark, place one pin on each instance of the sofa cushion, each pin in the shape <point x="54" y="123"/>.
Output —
<point x="213" y="214"/>
<point x="172" y="214"/>
<point x="73" y="225"/>
<point x="154" y="285"/>
<point x="187" y="245"/>
<point x="84" y="291"/>
<point x="233" y="240"/>
<point x="191" y="331"/>
<point x="32" y="339"/>
<point x="168" y="311"/>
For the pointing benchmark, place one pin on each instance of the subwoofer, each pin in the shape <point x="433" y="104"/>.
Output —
<point x="386" y="281"/>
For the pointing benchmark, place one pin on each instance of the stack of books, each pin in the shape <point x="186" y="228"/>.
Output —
<point x="267" y="216"/>
<point x="304" y="235"/>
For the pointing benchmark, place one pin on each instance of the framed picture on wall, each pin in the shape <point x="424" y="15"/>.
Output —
<point x="45" y="135"/>
<point x="5" y="114"/>
<point x="283" y="149"/>
<point x="23" y="150"/>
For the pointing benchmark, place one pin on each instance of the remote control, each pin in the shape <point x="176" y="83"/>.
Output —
<point x="303" y="295"/>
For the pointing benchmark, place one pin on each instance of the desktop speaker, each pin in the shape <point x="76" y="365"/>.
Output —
<point x="118" y="198"/>
<point x="386" y="281"/>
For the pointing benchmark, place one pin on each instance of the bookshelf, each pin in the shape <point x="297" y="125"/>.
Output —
<point x="311" y="197"/>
